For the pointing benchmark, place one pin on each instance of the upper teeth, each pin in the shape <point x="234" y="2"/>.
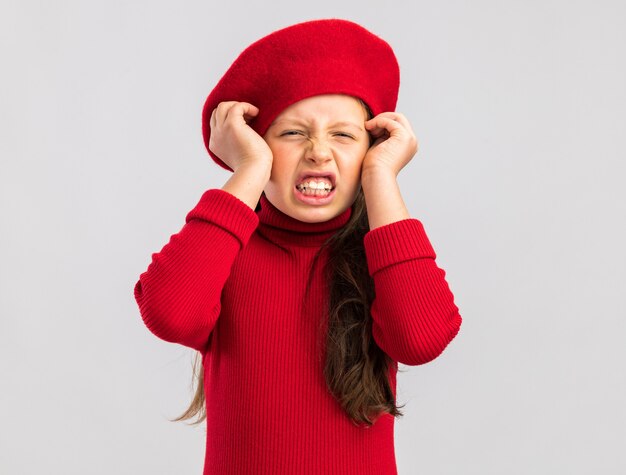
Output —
<point x="316" y="185"/>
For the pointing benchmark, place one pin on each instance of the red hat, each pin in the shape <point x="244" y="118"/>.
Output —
<point x="303" y="60"/>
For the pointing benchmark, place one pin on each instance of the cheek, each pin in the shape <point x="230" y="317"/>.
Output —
<point x="356" y="160"/>
<point x="351" y="171"/>
<point x="281" y="165"/>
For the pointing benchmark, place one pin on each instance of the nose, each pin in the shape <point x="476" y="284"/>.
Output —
<point x="319" y="151"/>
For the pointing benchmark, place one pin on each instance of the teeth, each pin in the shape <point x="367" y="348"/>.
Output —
<point x="315" y="185"/>
<point x="310" y="192"/>
<point x="318" y="186"/>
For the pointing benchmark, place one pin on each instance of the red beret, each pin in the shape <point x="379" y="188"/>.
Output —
<point x="303" y="60"/>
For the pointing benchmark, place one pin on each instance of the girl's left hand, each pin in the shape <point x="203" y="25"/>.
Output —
<point x="394" y="147"/>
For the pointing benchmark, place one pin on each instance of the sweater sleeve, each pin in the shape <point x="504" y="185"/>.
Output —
<point x="179" y="294"/>
<point x="414" y="315"/>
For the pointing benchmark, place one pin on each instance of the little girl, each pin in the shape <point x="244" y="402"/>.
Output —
<point x="303" y="281"/>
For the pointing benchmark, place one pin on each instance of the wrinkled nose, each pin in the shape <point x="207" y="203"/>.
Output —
<point x="319" y="151"/>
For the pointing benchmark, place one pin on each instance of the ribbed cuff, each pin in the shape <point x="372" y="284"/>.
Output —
<point x="226" y="211"/>
<point x="396" y="242"/>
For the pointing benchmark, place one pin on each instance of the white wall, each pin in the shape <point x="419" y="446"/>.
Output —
<point x="519" y="107"/>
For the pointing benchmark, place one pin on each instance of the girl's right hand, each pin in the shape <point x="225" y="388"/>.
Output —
<point x="233" y="140"/>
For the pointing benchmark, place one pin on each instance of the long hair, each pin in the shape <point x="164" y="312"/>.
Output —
<point x="356" y="369"/>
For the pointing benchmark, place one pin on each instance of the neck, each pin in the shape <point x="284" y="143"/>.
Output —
<point x="279" y="226"/>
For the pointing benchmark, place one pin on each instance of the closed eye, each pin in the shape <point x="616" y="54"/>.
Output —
<point x="291" y="133"/>
<point x="344" y="134"/>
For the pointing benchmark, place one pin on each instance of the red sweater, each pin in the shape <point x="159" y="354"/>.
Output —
<point x="231" y="285"/>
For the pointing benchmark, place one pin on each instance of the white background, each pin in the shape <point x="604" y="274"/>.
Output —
<point x="519" y="108"/>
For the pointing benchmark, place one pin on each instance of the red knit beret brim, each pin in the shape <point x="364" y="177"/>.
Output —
<point x="307" y="59"/>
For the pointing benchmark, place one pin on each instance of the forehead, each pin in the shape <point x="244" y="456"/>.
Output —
<point x="327" y="107"/>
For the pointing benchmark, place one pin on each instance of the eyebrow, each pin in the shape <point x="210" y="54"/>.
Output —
<point x="304" y="124"/>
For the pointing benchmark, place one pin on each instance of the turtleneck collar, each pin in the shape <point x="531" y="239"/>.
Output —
<point x="284" y="229"/>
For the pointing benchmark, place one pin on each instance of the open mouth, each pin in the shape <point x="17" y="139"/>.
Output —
<point x="316" y="186"/>
<point x="310" y="191"/>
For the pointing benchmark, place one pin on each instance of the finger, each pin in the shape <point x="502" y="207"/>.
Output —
<point x="385" y="126"/>
<point x="241" y="110"/>
<point x="398" y="117"/>
<point x="379" y="125"/>
<point x="404" y="121"/>
<point x="380" y="133"/>
<point x="221" y="111"/>
<point x="249" y="110"/>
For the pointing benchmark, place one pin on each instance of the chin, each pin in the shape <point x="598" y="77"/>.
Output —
<point x="306" y="213"/>
<point x="319" y="215"/>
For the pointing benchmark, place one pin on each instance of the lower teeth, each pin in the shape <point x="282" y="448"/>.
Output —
<point x="317" y="192"/>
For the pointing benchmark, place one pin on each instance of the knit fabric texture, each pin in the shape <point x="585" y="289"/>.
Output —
<point x="231" y="284"/>
<point x="307" y="59"/>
